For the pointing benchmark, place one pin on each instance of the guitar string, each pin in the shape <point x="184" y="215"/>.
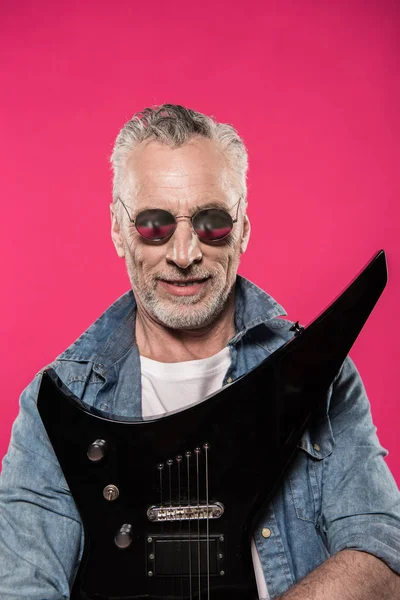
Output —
<point x="188" y="454"/>
<point x="161" y="469"/>
<point x="208" y="526"/>
<point x="197" y="451"/>
<point x="179" y="460"/>
<point x="171" y="528"/>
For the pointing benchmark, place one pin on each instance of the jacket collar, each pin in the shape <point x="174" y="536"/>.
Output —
<point x="113" y="333"/>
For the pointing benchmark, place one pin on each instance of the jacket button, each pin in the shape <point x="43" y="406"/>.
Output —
<point x="266" y="532"/>
<point x="316" y="447"/>
<point x="229" y="380"/>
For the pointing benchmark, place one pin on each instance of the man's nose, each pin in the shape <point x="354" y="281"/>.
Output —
<point x="184" y="246"/>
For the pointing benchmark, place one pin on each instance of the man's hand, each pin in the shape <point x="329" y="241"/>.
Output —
<point x="348" y="575"/>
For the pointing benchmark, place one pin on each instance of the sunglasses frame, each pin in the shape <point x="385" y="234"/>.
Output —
<point x="133" y="221"/>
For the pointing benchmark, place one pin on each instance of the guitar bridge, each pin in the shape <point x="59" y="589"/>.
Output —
<point x="185" y="513"/>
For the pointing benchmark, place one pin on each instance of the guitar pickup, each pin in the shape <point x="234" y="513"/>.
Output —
<point x="185" y="555"/>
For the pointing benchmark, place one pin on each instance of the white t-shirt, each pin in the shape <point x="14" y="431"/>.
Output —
<point x="171" y="386"/>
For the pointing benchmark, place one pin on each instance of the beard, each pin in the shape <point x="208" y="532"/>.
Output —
<point x="182" y="312"/>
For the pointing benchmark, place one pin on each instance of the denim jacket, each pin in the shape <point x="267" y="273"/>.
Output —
<point x="338" y="493"/>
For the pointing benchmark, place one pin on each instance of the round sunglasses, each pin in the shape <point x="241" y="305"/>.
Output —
<point x="209" y="224"/>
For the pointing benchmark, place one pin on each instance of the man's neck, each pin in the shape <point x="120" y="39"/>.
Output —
<point x="170" y="345"/>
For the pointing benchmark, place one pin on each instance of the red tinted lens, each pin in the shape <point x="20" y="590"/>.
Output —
<point x="212" y="224"/>
<point x="155" y="224"/>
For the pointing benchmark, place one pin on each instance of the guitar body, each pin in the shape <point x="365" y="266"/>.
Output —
<point x="169" y="504"/>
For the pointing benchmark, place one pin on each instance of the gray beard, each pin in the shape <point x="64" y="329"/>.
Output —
<point x="195" y="318"/>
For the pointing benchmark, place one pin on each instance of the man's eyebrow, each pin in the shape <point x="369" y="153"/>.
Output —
<point x="211" y="204"/>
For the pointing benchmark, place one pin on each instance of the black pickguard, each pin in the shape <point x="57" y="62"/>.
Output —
<point x="252" y="428"/>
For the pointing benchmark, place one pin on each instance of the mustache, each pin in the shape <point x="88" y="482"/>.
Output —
<point x="190" y="273"/>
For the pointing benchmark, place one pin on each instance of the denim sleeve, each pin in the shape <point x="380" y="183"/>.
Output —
<point x="40" y="528"/>
<point x="360" y="499"/>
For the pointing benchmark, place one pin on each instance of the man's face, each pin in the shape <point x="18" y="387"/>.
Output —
<point x="182" y="181"/>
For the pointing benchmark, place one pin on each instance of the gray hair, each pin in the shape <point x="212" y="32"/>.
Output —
<point x="175" y="125"/>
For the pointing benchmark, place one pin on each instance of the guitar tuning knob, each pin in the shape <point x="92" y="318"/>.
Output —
<point x="123" y="537"/>
<point x="97" y="450"/>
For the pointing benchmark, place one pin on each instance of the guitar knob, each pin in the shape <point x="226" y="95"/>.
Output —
<point x="123" y="537"/>
<point x="97" y="450"/>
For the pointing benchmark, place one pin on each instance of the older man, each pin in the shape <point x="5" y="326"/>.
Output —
<point x="189" y="326"/>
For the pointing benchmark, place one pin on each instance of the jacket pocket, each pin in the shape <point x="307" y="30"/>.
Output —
<point x="305" y="472"/>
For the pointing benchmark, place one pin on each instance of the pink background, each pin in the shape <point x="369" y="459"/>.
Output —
<point x="312" y="88"/>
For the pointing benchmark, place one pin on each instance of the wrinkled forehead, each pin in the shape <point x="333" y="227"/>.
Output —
<point x="194" y="174"/>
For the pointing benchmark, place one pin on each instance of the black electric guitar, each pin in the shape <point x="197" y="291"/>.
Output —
<point x="169" y="504"/>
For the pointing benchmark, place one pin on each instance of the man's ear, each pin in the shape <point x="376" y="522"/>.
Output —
<point x="244" y="240"/>
<point x="116" y="233"/>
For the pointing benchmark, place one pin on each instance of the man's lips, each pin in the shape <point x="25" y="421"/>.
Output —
<point x="183" y="287"/>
